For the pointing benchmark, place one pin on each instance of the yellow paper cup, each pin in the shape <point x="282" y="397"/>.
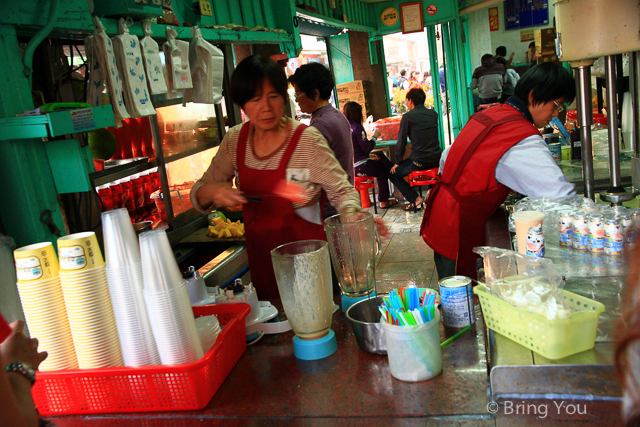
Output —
<point x="79" y="252"/>
<point x="36" y="262"/>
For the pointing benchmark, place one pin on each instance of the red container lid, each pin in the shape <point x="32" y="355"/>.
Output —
<point x="597" y="117"/>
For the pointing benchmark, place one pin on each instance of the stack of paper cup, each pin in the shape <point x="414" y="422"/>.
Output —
<point x="124" y="276"/>
<point x="86" y="296"/>
<point x="168" y="304"/>
<point x="43" y="304"/>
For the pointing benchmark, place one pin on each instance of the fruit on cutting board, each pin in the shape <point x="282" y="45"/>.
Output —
<point x="225" y="229"/>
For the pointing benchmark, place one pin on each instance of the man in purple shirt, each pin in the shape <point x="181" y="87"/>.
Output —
<point x="313" y="84"/>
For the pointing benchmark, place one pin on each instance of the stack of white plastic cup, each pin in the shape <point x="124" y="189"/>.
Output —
<point x="208" y="329"/>
<point x="124" y="276"/>
<point x="43" y="304"/>
<point x="86" y="297"/>
<point x="168" y="302"/>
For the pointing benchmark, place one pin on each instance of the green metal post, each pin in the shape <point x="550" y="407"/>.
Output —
<point x="464" y="25"/>
<point x="27" y="188"/>
<point x="435" y="80"/>
<point x="452" y="81"/>
<point x="386" y="82"/>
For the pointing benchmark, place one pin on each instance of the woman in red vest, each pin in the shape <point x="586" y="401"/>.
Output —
<point x="264" y="155"/>
<point x="500" y="149"/>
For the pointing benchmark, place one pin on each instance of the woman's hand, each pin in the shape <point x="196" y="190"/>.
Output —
<point x="20" y="348"/>
<point x="291" y="191"/>
<point x="373" y="156"/>
<point x="219" y="195"/>
<point x="376" y="133"/>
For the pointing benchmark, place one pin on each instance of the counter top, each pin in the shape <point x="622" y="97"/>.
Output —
<point x="269" y="383"/>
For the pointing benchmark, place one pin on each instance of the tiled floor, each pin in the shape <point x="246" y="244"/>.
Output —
<point x="405" y="258"/>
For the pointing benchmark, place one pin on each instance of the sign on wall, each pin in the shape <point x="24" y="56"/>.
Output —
<point x="526" y="36"/>
<point x="411" y="17"/>
<point x="494" y="21"/>
<point x="389" y="17"/>
<point x="525" y="13"/>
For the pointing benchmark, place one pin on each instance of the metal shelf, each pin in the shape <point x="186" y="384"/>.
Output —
<point x="191" y="151"/>
<point x="56" y="123"/>
<point x="121" y="171"/>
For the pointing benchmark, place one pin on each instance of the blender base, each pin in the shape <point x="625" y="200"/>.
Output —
<point x="315" y="349"/>
<point x="348" y="301"/>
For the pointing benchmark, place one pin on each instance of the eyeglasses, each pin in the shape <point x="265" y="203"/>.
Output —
<point x="560" y="107"/>
<point x="298" y="96"/>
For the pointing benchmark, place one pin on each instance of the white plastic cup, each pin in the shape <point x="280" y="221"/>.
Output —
<point x="120" y="242"/>
<point x="159" y="267"/>
<point x="173" y="325"/>
<point x="524" y="220"/>
<point x="414" y="352"/>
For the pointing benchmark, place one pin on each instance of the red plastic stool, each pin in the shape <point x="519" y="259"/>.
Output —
<point x="363" y="184"/>
<point x="425" y="177"/>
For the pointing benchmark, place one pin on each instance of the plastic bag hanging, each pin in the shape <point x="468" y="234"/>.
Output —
<point x="130" y="64"/>
<point x="101" y="44"/>
<point x="176" y="54"/>
<point x="152" y="62"/>
<point x="96" y="81"/>
<point x="207" y="66"/>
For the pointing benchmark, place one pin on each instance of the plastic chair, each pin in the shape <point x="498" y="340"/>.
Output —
<point x="420" y="178"/>
<point x="363" y="184"/>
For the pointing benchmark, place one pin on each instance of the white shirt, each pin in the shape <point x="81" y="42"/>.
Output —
<point x="528" y="168"/>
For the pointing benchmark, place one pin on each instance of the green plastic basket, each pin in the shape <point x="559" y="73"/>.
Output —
<point x="553" y="339"/>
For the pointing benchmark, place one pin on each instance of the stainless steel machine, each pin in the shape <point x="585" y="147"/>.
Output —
<point x="587" y="30"/>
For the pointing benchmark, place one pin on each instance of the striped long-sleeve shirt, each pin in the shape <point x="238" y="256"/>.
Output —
<point x="312" y="165"/>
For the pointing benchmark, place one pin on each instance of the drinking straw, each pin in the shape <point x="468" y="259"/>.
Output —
<point x="455" y="336"/>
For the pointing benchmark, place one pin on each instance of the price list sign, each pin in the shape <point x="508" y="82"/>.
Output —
<point x="525" y="13"/>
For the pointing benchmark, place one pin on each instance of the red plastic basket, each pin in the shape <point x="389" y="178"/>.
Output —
<point x="151" y="388"/>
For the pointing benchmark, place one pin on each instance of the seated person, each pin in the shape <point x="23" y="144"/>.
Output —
<point x="489" y="79"/>
<point x="421" y="126"/>
<point x="376" y="165"/>
<point x="511" y="79"/>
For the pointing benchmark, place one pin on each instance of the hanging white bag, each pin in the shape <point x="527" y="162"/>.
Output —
<point x="152" y="62"/>
<point x="95" y="85"/>
<point x="129" y="59"/>
<point x="207" y="66"/>
<point x="176" y="54"/>
<point x="103" y="47"/>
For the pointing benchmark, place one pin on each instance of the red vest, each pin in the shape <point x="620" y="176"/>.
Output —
<point x="467" y="193"/>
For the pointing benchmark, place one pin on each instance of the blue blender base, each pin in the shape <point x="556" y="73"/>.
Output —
<point x="315" y="349"/>
<point x="349" y="301"/>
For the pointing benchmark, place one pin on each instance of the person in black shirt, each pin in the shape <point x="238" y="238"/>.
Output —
<point x="421" y="126"/>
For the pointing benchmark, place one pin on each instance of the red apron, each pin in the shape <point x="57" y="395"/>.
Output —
<point x="474" y="208"/>
<point x="272" y="221"/>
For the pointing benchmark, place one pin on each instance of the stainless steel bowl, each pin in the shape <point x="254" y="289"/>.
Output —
<point x="141" y="227"/>
<point x="364" y="317"/>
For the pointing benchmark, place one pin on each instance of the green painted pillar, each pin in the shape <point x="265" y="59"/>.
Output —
<point x="27" y="188"/>
<point x="435" y="80"/>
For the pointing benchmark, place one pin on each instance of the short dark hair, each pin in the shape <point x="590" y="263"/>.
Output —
<point x="248" y="76"/>
<point x="548" y="81"/>
<point x="403" y="72"/>
<point x="501" y="51"/>
<point x="417" y="96"/>
<point x="353" y="112"/>
<point x="532" y="44"/>
<point x="501" y="60"/>
<point x="310" y="77"/>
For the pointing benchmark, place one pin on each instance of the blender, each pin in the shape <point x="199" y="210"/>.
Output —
<point x="303" y="274"/>
<point x="354" y="243"/>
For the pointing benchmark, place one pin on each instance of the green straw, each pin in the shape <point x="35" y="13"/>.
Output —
<point x="455" y="336"/>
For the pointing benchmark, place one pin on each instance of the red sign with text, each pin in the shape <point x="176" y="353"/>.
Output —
<point x="494" y="21"/>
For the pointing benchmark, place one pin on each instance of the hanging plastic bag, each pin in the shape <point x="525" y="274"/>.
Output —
<point x="176" y="53"/>
<point x="103" y="47"/>
<point x="207" y="67"/>
<point x="96" y="80"/>
<point x="152" y="62"/>
<point x="529" y="283"/>
<point x="129" y="59"/>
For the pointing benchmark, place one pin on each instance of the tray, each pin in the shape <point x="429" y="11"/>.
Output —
<point x="189" y="386"/>
<point x="553" y="339"/>
<point x="200" y="236"/>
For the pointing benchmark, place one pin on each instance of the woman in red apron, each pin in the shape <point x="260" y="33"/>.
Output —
<point x="264" y="153"/>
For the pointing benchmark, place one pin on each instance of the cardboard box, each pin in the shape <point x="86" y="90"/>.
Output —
<point x="545" y="41"/>
<point x="547" y="58"/>
<point x="355" y="86"/>
<point x="359" y="97"/>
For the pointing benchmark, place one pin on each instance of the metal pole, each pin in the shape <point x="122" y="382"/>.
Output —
<point x="585" y="120"/>
<point x="635" y="78"/>
<point x="162" y="170"/>
<point x="612" y="116"/>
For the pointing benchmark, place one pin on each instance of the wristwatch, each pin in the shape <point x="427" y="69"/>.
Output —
<point x="24" y="369"/>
